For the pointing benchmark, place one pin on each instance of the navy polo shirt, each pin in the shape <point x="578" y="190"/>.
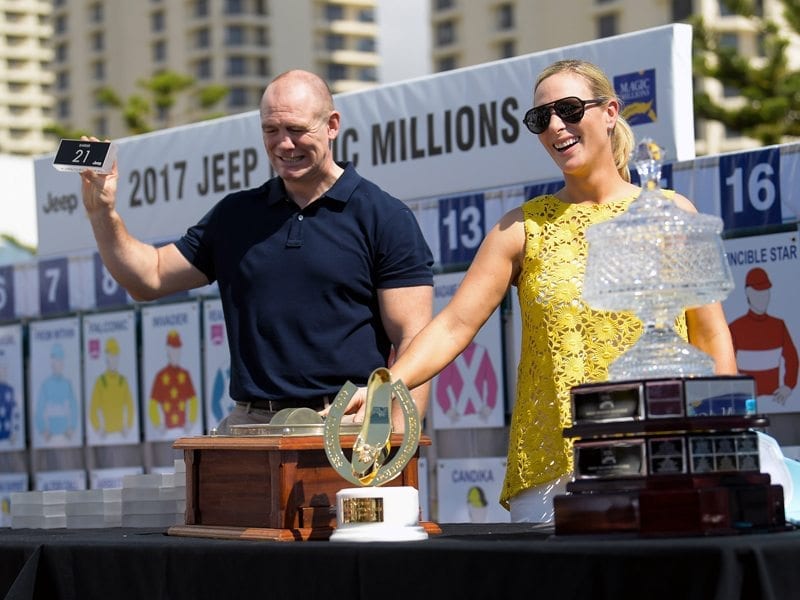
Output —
<point x="299" y="287"/>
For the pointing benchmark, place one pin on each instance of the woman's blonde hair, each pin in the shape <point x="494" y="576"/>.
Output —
<point x="622" y="139"/>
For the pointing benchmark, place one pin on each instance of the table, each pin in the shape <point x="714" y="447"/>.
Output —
<point x="465" y="561"/>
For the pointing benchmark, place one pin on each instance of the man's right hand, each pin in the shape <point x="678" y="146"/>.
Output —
<point x="99" y="191"/>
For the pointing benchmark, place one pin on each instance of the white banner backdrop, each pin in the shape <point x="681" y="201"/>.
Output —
<point x="444" y="134"/>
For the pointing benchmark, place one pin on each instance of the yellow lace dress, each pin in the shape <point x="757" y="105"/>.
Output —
<point x="564" y="342"/>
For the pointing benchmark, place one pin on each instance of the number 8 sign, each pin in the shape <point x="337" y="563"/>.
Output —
<point x="750" y="191"/>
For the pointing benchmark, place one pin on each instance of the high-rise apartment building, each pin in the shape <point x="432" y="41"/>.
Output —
<point x="25" y="77"/>
<point x="241" y="44"/>
<point x="468" y="32"/>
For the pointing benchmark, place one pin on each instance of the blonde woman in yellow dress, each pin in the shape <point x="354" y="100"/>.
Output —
<point x="540" y="248"/>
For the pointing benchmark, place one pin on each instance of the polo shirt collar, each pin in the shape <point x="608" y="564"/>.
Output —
<point x="340" y="191"/>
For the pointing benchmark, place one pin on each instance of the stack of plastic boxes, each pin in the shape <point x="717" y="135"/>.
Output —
<point x="151" y="500"/>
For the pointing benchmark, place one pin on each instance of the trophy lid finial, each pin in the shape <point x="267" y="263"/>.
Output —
<point x="648" y="158"/>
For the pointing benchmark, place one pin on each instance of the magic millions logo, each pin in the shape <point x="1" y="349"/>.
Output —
<point x="638" y="94"/>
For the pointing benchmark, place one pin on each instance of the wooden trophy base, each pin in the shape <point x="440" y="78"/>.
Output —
<point x="278" y="488"/>
<point x="712" y="504"/>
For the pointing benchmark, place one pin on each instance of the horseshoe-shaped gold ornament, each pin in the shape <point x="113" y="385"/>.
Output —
<point x="373" y="443"/>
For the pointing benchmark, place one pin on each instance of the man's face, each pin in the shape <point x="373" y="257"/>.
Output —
<point x="297" y="132"/>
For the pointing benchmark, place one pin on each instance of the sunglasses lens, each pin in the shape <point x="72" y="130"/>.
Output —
<point x="537" y="119"/>
<point x="569" y="109"/>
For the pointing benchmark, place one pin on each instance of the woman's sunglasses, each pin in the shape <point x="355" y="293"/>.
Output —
<point x="569" y="110"/>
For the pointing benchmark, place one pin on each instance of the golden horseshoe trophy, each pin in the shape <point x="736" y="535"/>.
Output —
<point x="369" y="512"/>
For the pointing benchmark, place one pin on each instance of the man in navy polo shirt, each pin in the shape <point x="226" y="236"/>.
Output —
<point x="321" y="273"/>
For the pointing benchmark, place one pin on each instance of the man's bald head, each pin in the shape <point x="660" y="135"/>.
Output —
<point x="301" y="83"/>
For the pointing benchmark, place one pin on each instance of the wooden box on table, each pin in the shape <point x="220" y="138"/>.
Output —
<point x="268" y="487"/>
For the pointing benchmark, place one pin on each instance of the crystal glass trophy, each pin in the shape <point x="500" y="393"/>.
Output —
<point x="655" y="260"/>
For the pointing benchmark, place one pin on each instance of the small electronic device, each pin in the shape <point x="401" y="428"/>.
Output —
<point x="79" y="155"/>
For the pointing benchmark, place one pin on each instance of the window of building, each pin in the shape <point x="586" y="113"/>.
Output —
<point x="236" y="65"/>
<point x="445" y="33"/>
<point x="99" y="70"/>
<point x="234" y="35"/>
<point x="159" y="51"/>
<point x="446" y="63"/>
<point x="14" y="64"/>
<point x="366" y="15"/>
<point x="607" y="25"/>
<point x="16" y="110"/>
<point x="729" y="40"/>
<point x="731" y="134"/>
<point x="336" y="72"/>
<point x="14" y="40"/>
<point x="366" y="44"/>
<point x="681" y="10"/>
<point x="62" y="80"/>
<point x="261" y="36"/>
<point x="334" y="41"/>
<point x="60" y="24"/>
<point x="508" y="49"/>
<point x="237" y="97"/>
<point x="96" y="12"/>
<point x="234" y="7"/>
<point x="203" y="69"/>
<point x="758" y="8"/>
<point x="157" y="21"/>
<point x="17" y="133"/>
<point x="63" y="109"/>
<point x="101" y="126"/>
<point x="729" y="91"/>
<point x="505" y="17"/>
<point x="368" y="74"/>
<point x="260" y="7"/>
<point x="98" y="41"/>
<point x="61" y="53"/>
<point x="444" y="4"/>
<point x="202" y="38"/>
<point x="334" y="12"/>
<point x="761" y="45"/>
<point x="201" y="8"/>
<point x="262" y="67"/>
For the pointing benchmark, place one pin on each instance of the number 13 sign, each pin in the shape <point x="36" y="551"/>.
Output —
<point x="461" y="228"/>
